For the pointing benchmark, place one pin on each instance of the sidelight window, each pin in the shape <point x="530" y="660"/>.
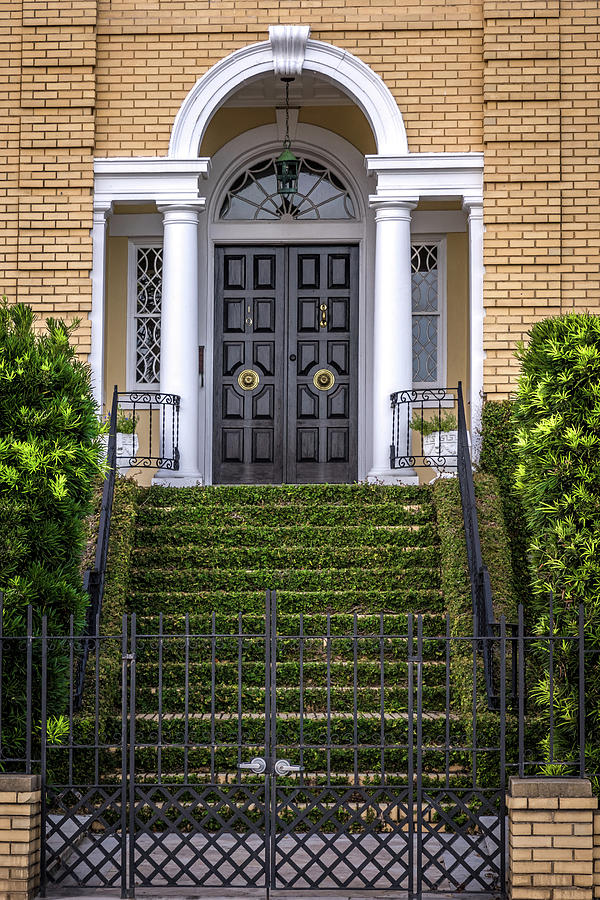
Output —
<point x="144" y="305"/>
<point x="427" y="314"/>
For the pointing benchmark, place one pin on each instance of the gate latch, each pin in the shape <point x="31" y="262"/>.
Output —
<point x="257" y="765"/>
<point x="283" y="767"/>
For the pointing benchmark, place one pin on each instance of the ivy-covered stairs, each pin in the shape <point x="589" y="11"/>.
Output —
<point x="335" y="548"/>
<point x="348" y="557"/>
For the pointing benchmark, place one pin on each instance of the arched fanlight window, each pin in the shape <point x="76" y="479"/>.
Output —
<point x="253" y="194"/>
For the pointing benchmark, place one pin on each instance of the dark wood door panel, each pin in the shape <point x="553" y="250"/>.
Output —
<point x="249" y="338"/>
<point x="286" y="315"/>
<point x="323" y="329"/>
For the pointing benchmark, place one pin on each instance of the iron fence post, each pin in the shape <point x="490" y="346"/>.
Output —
<point x="43" y="748"/>
<point x="410" y="799"/>
<point x="581" y="688"/>
<point x="132" y="754"/>
<point x="124" y="749"/>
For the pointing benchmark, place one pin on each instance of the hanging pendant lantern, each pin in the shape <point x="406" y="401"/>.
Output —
<point x="287" y="165"/>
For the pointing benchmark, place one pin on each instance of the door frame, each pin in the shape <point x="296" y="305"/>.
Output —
<point x="286" y="420"/>
<point x="333" y="151"/>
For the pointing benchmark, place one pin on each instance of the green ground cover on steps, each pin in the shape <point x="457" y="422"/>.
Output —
<point x="341" y="549"/>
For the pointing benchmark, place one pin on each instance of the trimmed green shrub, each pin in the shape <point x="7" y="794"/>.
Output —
<point x="49" y="456"/>
<point x="499" y="458"/>
<point x="557" y="414"/>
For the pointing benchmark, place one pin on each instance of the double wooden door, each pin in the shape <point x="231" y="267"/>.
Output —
<point x="286" y="357"/>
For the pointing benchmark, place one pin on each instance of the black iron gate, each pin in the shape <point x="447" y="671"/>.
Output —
<point x="298" y="752"/>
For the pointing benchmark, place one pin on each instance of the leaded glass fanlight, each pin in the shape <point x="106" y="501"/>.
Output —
<point x="320" y="195"/>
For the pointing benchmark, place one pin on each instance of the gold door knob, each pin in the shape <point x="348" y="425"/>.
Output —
<point x="248" y="379"/>
<point x="323" y="380"/>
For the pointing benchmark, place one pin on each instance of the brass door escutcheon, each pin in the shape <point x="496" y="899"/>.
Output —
<point x="323" y="379"/>
<point x="248" y="379"/>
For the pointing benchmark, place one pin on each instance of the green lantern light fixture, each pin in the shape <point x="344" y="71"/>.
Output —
<point x="287" y="165"/>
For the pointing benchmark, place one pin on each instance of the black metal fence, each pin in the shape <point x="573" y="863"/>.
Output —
<point x="285" y="751"/>
<point x="152" y="440"/>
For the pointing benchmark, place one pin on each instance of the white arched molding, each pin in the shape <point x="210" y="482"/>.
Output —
<point x="352" y="76"/>
<point x="332" y="150"/>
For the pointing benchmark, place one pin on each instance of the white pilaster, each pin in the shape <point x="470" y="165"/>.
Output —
<point x="392" y="328"/>
<point x="96" y="357"/>
<point x="179" y="329"/>
<point x="476" y="314"/>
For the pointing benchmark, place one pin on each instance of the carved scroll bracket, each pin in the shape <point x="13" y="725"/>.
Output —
<point x="289" y="47"/>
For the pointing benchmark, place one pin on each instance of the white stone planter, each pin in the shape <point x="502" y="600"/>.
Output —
<point x="127" y="447"/>
<point x="442" y="444"/>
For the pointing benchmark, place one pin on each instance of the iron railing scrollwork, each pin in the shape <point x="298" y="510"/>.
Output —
<point x="421" y="429"/>
<point x="159" y="416"/>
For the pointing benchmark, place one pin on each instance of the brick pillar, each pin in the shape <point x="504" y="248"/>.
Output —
<point x="551" y="839"/>
<point x="596" y="854"/>
<point x="20" y="830"/>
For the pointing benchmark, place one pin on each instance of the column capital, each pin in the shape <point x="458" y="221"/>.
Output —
<point x="473" y="208"/>
<point x="387" y="210"/>
<point x="101" y="211"/>
<point x="186" y="209"/>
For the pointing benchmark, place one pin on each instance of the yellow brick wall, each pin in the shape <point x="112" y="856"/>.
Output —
<point x="48" y="125"/>
<point x="517" y="79"/>
<point x="542" y="188"/>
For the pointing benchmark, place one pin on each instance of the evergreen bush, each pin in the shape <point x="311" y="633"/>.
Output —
<point x="49" y="456"/>
<point x="557" y="415"/>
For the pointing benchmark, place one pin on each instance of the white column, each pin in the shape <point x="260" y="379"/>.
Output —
<point x="96" y="357"/>
<point x="179" y="329"/>
<point x="476" y="314"/>
<point x="392" y="329"/>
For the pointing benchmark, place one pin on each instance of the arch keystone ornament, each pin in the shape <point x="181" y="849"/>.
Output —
<point x="288" y="43"/>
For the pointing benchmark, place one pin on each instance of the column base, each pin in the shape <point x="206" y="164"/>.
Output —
<point x="169" y="478"/>
<point x="393" y="476"/>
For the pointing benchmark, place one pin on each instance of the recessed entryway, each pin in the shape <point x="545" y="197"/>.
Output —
<point x="286" y="364"/>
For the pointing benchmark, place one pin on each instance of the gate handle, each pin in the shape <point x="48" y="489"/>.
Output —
<point x="257" y="765"/>
<point x="283" y="767"/>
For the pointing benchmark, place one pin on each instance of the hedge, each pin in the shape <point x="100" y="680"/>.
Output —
<point x="557" y="416"/>
<point x="49" y="457"/>
<point x="499" y="458"/>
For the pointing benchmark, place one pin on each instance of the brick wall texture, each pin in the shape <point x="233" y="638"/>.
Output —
<point x="20" y="829"/>
<point x="518" y="80"/>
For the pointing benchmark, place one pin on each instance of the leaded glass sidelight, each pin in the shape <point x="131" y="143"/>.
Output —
<point x="148" y="287"/>
<point x="320" y="195"/>
<point x="426" y="314"/>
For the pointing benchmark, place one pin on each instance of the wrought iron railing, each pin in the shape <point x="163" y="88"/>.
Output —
<point x="93" y="579"/>
<point x="424" y="429"/>
<point x="154" y="438"/>
<point x="484" y="620"/>
<point x="429" y="429"/>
